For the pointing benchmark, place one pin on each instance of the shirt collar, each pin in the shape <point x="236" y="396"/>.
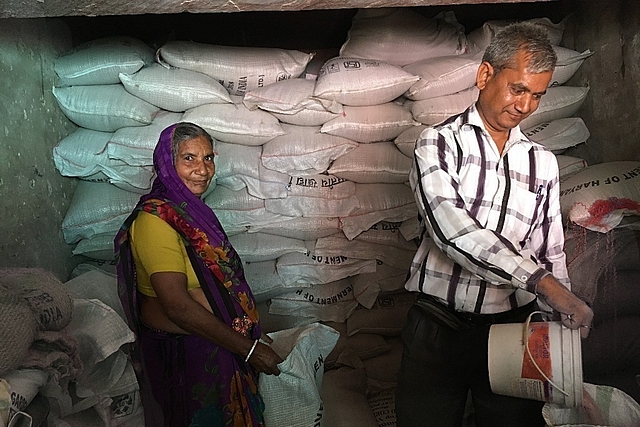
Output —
<point x="516" y="136"/>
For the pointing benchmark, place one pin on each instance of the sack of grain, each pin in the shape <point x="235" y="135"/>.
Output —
<point x="559" y="134"/>
<point x="359" y="82"/>
<point x="599" y="196"/>
<point x="105" y="108"/>
<point x="344" y="396"/>
<point x="377" y="162"/>
<point x="304" y="150"/>
<point x="18" y="327"/>
<point x="235" y="123"/>
<point x="238" y="69"/>
<point x="442" y="76"/>
<point x="569" y="165"/>
<point x="293" y="398"/>
<point x="558" y="103"/>
<point x="386" y="317"/>
<point x="98" y="246"/>
<point x="370" y="123"/>
<point x="329" y="310"/>
<point x="292" y="97"/>
<point x="386" y="278"/>
<point x="98" y="62"/>
<point x="174" y="89"/>
<point x="45" y="294"/>
<point x="382" y="371"/>
<point x="96" y="283"/>
<point x="84" y="154"/>
<point x="294" y="268"/>
<point x="436" y="110"/>
<point x="401" y="36"/>
<point x="568" y="63"/>
<point x="406" y="141"/>
<point x="379" y="202"/>
<point x="96" y="207"/>
<point x="265" y="282"/>
<point x="302" y="228"/>
<point x="134" y="145"/>
<point x="254" y="247"/>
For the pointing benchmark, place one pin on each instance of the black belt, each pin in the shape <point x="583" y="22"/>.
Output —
<point x="458" y="320"/>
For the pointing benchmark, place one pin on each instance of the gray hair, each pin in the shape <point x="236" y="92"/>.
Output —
<point x="522" y="36"/>
<point x="185" y="131"/>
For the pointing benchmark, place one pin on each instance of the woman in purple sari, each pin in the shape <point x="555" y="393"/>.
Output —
<point x="183" y="288"/>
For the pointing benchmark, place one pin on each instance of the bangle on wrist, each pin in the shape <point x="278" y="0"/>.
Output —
<point x="253" y="347"/>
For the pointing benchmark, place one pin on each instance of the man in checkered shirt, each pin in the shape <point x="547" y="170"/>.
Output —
<point x="492" y="241"/>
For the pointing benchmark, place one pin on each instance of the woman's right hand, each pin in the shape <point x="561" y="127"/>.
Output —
<point x="265" y="360"/>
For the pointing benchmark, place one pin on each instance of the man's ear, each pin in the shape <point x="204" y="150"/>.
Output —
<point x="485" y="73"/>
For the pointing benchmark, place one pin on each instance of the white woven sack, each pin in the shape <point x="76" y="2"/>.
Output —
<point x="379" y="202"/>
<point x="410" y="228"/>
<point x="599" y="196"/>
<point x="134" y="145"/>
<point x="268" y="184"/>
<point x="96" y="207"/>
<point x="98" y="62"/>
<point x="406" y="141"/>
<point x="253" y="247"/>
<point x="298" y="386"/>
<point x="306" y="117"/>
<point x="479" y="38"/>
<point x="84" y="153"/>
<point x="436" y="110"/>
<point x="322" y="294"/>
<point x="98" y="246"/>
<point x="265" y="282"/>
<point x="321" y="186"/>
<point x="401" y="36"/>
<point x="238" y="69"/>
<point x="95" y="283"/>
<point x="302" y="228"/>
<point x="558" y="103"/>
<point x="358" y="82"/>
<point x="103" y="107"/>
<point x="239" y="219"/>
<point x="337" y="311"/>
<point x="237" y="159"/>
<point x="235" y="123"/>
<point x="174" y="89"/>
<point x="442" y="76"/>
<point x="568" y="63"/>
<point x="336" y="245"/>
<point x="296" y="268"/>
<point x="569" y="165"/>
<point x="386" y="278"/>
<point x="289" y="97"/>
<point x="372" y="163"/>
<point x="276" y="322"/>
<point x="313" y="207"/>
<point x="611" y="407"/>
<point x="370" y="123"/>
<point x="304" y="150"/>
<point x="559" y="134"/>
<point x="24" y="385"/>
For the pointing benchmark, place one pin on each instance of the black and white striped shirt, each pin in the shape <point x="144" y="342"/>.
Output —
<point x="493" y="221"/>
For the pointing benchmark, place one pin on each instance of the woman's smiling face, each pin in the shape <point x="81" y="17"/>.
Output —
<point x="194" y="164"/>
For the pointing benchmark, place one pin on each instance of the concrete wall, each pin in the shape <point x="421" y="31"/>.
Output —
<point x="611" y="29"/>
<point x="33" y="196"/>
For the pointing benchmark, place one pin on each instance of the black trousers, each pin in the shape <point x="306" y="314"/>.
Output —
<point x="440" y="365"/>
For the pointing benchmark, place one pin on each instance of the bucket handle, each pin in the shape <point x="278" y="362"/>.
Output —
<point x="526" y="346"/>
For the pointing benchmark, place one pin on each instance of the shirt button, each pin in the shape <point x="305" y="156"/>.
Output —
<point x="523" y="278"/>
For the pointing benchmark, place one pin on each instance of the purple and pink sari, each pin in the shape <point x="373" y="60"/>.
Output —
<point x="193" y="381"/>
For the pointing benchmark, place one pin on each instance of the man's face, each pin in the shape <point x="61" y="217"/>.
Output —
<point x="510" y="96"/>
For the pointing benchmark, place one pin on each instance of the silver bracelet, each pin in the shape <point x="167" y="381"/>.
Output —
<point x="253" y="347"/>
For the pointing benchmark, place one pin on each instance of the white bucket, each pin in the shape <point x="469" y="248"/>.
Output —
<point x="549" y="370"/>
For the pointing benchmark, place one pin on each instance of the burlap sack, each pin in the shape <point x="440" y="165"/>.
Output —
<point x="18" y="326"/>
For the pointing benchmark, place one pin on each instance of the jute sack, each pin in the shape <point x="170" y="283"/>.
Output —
<point x="18" y="327"/>
<point x="134" y="145"/>
<point x="292" y="97"/>
<point x="103" y="107"/>
<point x="235" y="123"/>
<point x="442" y="76"/>
<point x="98" y="62"/>
<point x="558" y="103"/>
<point x="96" y="207"/>
<point x="436" y="110"/>
<point x="44" y="292"/>
<point x="599" y="196"/>
<point x="358" y="82"/>
<point x="84" y="154"/>
<point x="400" y="36"/>
<point x="377" y="162"/>
<point x="406" y="141"/>
<point x="304" y="150"/>
<point x="174" y="89"/>
<point x="371" y="123"/>
<point x="293" y="398"/>
<point x="559" y="134"/>
<point x="238" y="69"/>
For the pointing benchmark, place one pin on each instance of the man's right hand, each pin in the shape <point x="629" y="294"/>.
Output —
<point x="574" y="313"/>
